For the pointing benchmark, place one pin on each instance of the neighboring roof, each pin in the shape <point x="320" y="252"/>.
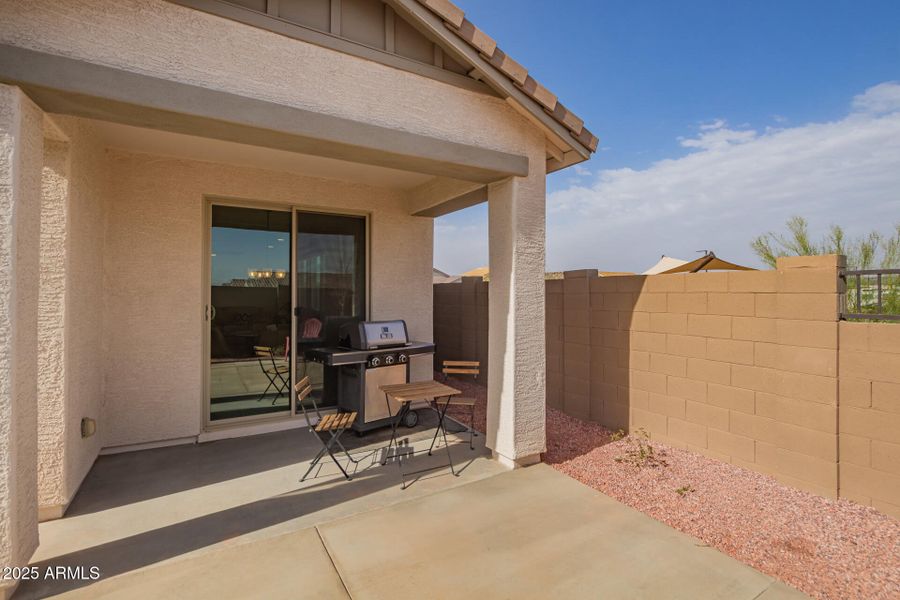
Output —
<point x="438" y="276"/>
<point x="664" y="264"/>
<point x="479" y="272"/>
<point x="707" y="262"/>
<point x="455" y="20"/>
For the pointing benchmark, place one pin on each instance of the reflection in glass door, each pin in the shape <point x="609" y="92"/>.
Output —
<point x="331" y="285"/>
<point x="250" y="312"/>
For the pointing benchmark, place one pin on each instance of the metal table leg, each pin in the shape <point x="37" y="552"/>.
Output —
<point x="395" y="421"/>
<point x="440" y="429"/>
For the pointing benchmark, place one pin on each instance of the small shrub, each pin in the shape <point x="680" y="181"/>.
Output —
<point x="685" y="490"/>
<point x="618" y="435"/>
<point x="641" y="453"/>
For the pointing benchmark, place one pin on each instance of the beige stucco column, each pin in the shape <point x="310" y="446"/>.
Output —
<point x="51" y="330"/>
<point x="516" y="377"/>
<point x="21" y="141"/>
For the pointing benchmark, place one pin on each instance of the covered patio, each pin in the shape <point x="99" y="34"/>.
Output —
<point x="229" y="519"/>
<point x="145" y="146"/>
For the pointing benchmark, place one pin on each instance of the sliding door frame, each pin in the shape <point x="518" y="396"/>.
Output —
<point x="296" y="211"/>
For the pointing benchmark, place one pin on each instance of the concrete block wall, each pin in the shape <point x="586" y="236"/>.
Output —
<point x="740" y="366"/>
<point x="553" y="327"/>
<point x="869" y="417"/>
<point x="461" y="323"/>
<point x="750" y="367"/>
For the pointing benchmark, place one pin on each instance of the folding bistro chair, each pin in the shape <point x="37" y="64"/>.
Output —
<point x="462" y="367"/>
<point x="275" y="373"/>
<point x="328" y="428"/>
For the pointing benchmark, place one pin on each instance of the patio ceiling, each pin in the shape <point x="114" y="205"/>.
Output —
<point x="191" y="147"/>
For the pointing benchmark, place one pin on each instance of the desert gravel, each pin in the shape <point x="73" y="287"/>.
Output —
<point x="829" y="549"/>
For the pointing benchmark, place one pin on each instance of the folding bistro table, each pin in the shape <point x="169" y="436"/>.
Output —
<point x="407" y="393"/>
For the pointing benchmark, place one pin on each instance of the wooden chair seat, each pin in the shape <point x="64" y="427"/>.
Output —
<point x="333" y="424"/>
<point x="335" y="421"/>
<point x="281" y="370"/>
<point x="461" y="401"/>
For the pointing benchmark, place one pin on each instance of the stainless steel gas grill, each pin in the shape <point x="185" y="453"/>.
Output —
<point x="369" y="354"/>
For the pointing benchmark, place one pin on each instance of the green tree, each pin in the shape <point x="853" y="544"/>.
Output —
<point x="873" y="250"/>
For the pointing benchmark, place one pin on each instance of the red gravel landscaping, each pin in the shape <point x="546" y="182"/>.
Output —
<point x="833" y="549"/>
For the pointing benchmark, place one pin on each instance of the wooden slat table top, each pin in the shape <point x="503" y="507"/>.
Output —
<point x="418" y="390"/>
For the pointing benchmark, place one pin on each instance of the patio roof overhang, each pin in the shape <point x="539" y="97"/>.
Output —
<point x="69" y="86"/>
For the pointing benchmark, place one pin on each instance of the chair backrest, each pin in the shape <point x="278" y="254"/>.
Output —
<point x="312" y="327"/>
<point x="264" y="354"/>
<point x="303" y="389"/>
<point x="461" y="367"/>
<point x="262" y="351"/>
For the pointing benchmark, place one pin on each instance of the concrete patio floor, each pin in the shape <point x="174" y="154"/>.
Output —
<point x="228" y="519"/>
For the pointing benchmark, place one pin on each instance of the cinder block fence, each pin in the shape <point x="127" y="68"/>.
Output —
<point x="869" y="416"/>
<point x="750" y="367"/>
<point x="461" y="323"/>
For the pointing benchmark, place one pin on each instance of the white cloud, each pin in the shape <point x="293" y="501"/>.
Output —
<point x="715" y="124"/>
<point x="881" y="99"/>
<point x="716" y="136"/>
<point x="731" y="187"/>
<point x="735" y="185"/>
<point x="581" y="170"/>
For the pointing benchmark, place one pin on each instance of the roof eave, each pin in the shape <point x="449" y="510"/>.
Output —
<point x="580" y="146"/>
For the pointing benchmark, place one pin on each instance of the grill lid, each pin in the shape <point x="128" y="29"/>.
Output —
<point x="371" y="335"/>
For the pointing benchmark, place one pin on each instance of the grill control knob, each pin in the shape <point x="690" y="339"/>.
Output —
<point x="402" y="358"/>
<point x="374" y="362"/>
<point x="389" y="359"/>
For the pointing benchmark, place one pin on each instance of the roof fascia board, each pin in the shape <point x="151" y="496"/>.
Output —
<point x="332" y="42"/>
<point x="568" y="159"/>
<point x="441" y="195"/>
<point x="462" y="51"/>
<point x="65" y="85"/>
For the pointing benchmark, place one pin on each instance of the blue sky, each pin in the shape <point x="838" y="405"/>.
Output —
<point x="774" y="99"/>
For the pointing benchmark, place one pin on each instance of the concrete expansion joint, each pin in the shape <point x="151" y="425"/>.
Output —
<point x="334" y="565"/>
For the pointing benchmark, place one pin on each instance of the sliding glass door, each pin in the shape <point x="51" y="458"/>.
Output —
<point x="331" y="286"/>
<point x="249" y="312"/>
<point x="263" y="295"/>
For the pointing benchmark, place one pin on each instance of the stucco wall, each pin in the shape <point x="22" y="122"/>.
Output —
<point x="870" y="414"/>
<point x="70" y="359"/>
<point x="153" y="279"/>
<point x="51" y="403"/>
<point x="158" y="38"/>
<point x="84" y="355"/>
<point x="21" y="142"/>
<point x="516" y="370"/>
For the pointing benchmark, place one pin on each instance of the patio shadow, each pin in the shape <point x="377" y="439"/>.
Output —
<point x="326" y="492"/>
<point x="120" y="479"/>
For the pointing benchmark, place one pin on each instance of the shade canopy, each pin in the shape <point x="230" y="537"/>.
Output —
<point x="664" y="264"/>
<point x="707" y="262"/>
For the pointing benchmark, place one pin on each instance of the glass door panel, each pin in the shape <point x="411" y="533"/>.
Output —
<point x="250" y="312"/>
<point x="331" y="285"/>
